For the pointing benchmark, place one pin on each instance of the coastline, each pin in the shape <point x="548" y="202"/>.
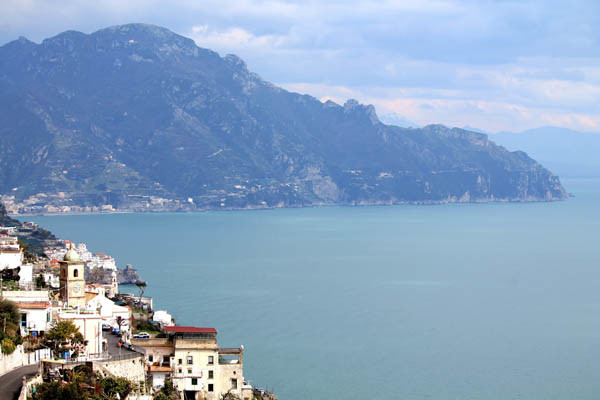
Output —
<point x="314" y="205"/>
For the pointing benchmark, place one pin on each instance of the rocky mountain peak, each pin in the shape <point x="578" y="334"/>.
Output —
<point x="136" y="111"/>
<point x="137" y="37"/>
<point x="352" y="106"/>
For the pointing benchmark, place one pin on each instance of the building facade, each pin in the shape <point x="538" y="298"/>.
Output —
<point x="72" y="280"/>
<point x="11" y="254"/>
<point x="199" y="368"/>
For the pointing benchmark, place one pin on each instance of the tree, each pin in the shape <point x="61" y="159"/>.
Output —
<point x="96" y="275"/>
<point x="9" y="317"/>
<point x="40" y="283"/>
<point x="167" y="392"/>
<point x="120" y="322"/>
<point x="83" y="384"/>
<point x="142" y="287"/>
<point x="54" y="390"/>
<point x="64" y="336"/>
<point x="111" y="386"/>
<point x="9" y="326"/>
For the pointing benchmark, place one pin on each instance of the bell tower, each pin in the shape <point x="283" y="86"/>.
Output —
<point x="72" y="279"/>
<point x="114" y="285"/>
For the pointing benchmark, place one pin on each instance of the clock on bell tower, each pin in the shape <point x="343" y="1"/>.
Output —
<point x="72" y="279"/>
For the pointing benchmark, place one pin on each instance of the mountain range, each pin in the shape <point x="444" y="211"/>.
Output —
<point x="137" y="110"/>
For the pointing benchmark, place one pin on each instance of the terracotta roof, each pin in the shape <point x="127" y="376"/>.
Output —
<point x="34" y="305"/>
<point x="230" y="350"/>
<point x="189" y="329"/>
<point x="89" y="296"/>
<point x="157" y="368"/>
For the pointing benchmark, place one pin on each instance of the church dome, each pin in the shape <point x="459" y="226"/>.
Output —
<point x="71" y="255"/>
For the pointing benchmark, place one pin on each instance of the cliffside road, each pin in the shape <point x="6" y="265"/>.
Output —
<point x="10" y="384"/>
<point x="113" y="349"/>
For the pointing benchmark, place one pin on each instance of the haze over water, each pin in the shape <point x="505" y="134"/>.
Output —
<point x="459" y="301"/>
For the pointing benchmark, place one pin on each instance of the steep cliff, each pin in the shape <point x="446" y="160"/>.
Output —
<point x="138" y="110"/>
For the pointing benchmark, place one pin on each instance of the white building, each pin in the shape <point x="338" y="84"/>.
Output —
<point x="199" y="368"/>
<point x="107" y="309"/>
<point x="84" y="253"/>
<point x="90" y="326"/>
<point x="26" y="275"/>
<point x="163" y="318"/>
<point x="8" y="230"/>
<point x="55" y="253"/>
<point x="36" y="318"/>
<point x="51" y="279"/>
<point x="36" y="312"/>
<point x="11" y="254"/>
<point x="101" y="260"/>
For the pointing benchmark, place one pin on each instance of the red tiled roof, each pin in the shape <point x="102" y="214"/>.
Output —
<point x="34" y="305"/>
<point x="156" y="368"/>
<point x="189" y="329"/>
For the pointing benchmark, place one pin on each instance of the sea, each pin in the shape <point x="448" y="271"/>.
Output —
<point x="457" y="301"/>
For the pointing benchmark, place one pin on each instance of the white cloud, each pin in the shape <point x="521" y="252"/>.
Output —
<point x="447" y="108"/>
<point x="233" y="38"/>
<point x="499" y="64"/>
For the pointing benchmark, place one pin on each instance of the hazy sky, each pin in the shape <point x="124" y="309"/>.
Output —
<point x="494" y="65"/>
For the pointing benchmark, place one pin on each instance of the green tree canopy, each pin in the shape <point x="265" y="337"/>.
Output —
<point x="64" y="336"/>
<point x="9" y="326"/>
<point x="167" y="392"/>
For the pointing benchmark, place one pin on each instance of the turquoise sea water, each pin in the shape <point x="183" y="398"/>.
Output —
<point x="460" y="301"/>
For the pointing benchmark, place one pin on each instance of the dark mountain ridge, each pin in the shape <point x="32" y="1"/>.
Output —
<point x="136" y="110"/>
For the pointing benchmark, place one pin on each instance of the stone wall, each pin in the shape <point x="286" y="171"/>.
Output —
<point x="28" y="384"/>
<point x="132" y="368"/>
<point x="19" y="358"/>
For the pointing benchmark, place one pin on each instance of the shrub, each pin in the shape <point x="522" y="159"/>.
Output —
<point x="8" y="346"/>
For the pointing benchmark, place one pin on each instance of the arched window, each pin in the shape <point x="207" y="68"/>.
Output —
<point x="75" y="273"/>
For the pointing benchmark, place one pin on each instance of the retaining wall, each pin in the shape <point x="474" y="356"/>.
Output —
<point x="132" y="368"/>
<point x="19" y="358"/>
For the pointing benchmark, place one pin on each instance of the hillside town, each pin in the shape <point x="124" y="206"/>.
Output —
<point x="69" y="333"/>
<point x="66" y="203"/>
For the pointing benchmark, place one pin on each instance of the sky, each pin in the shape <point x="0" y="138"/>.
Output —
<point x="493" y="65"/>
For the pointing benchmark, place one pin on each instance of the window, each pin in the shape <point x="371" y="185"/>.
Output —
<point x="166" y="360"/>
<point x="211" y="374"/>
<point x="151" y="358"/>
<point x="179" y="370"/>
<point x="234" y="383"/>
<point x="189" y="370"/>
<point x="190" y="360"/>
<point x="194" y="381"/>
<point x="75" y="273"/>
<point x="179" y="361"/>
<point x="23" y="320"/>
<point x="210" y="387"/>
<point x="211" y="360"/>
